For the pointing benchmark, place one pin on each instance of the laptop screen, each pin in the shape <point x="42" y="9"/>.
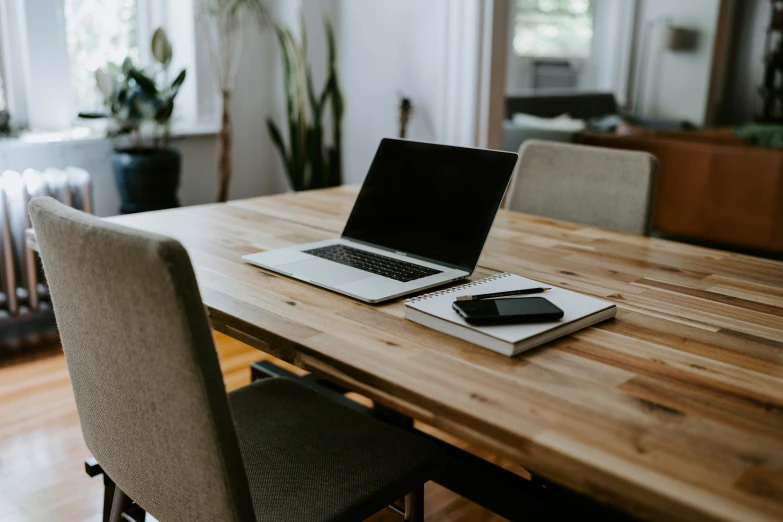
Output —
<point x="433" y="201"/>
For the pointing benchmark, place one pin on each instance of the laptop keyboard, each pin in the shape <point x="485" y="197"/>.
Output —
<point x="373" y="263"/>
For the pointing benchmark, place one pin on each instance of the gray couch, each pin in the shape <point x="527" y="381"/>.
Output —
<point x="582" y="106"/>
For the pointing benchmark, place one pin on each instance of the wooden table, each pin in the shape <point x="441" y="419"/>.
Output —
<point x="674" y="410"/>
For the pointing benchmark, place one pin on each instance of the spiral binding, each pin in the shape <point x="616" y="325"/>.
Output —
<point x="456" y="288"/>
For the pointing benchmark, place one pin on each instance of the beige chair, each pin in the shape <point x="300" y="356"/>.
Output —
<point x="154" y="411"/>
<point x="605" y="188"/>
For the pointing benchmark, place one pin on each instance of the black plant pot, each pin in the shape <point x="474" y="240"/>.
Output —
<point x="147" y="179"/>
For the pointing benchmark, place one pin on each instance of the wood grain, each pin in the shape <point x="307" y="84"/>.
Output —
<point x="674" y="410"/>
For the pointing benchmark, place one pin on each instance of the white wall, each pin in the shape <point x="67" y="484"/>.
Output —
<point x="425" y="50"/>
<point x="609" y="65"/>
<point x="258" y="95"/>
<point x="676" y="84"/>
<point x="387" y="49"/>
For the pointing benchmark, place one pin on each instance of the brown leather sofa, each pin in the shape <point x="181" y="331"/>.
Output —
<point x="712" y="187"/>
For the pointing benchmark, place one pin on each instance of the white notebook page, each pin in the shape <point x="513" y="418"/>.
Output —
<point x="575" y="306"/>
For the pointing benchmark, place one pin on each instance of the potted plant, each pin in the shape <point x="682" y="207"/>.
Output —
<point x="146" y="169"/>
<point x="310" y="162"/>
<point x="222" y="23"/>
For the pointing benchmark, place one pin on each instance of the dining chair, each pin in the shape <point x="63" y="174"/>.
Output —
<point x="153" y="407"/>
<point x="596" y="186"/>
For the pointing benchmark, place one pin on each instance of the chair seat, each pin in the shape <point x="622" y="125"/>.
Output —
<point x="308" y="458"/>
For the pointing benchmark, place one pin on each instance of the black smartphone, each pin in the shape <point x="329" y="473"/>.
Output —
<point x="508" y="311"/>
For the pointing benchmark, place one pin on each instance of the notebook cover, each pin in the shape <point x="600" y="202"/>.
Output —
<point x="437" y="306"/>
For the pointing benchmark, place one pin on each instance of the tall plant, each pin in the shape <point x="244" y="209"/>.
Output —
<point x="308" y="160"/>
<point x="223" y="23"/>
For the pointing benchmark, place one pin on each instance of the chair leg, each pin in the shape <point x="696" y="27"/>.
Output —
<point x="108" y="499"/>
<point x="119" y="505"/>
<point x="414" y="505"/>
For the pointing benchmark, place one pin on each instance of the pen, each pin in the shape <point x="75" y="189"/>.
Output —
<point x="525" y="291"/>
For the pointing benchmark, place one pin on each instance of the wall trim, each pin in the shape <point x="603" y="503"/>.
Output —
<point x="460" y="80"/>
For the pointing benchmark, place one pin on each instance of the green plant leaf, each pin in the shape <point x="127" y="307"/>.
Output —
<point x="303" y="37"/>
<point x="177" y="83"/>
<point x="287" y="70"/>
<point x="277" y="140"/>
<point x="333" y="83"/>
<point x="120" y="93"/>
<point x="161" y="47"/>
<point x="331" y="47"/>
<point x="113" y="69"/>
<point x="164" y="111"/>
<point x="127" y="65"/>
<point x="310" y="163"/>
<point x="317" y="104"/>
<point x="338" y="103"/>
<point x="315" y="147"/>
<point x="92" y="115"/>
<point x="298" y="154"/>
<point x="261" y="12"/>
<point x="146" y="85"/>
<point x="144" y="106"/>
<point x="229" y="13"/>
<point x="105" y="82"/>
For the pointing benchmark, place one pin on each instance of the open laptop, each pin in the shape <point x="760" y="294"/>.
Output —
<point x="421" y="220"/>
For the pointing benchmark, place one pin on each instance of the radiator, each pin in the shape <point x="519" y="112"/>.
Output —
<point x="26" y="317"/>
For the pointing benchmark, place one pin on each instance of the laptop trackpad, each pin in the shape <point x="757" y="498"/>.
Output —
<point x="324" y="272"/>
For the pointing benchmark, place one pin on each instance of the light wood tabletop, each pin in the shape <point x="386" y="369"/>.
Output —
<point x="673" y="410"/>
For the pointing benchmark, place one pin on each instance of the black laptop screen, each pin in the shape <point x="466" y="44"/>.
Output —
<point x="433" y="201"/>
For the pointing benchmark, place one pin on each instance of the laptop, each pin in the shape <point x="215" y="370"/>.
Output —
<point x="421" y="220"/>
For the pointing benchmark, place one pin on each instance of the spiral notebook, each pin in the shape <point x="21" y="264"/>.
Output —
<point x="580" y="311"/>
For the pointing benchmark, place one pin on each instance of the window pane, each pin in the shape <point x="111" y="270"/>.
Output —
<point x="3" y="99"/>
<point x="553" y="28"/>
<point x="2" y="89"/>
<point x="98" y="32"/>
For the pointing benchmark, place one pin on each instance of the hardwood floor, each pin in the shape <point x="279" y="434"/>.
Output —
<point x="42" y="452"/>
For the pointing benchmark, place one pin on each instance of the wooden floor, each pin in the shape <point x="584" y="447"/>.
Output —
<point x="42" y="452"/>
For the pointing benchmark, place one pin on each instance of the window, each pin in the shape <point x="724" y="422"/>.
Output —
<point x="553" y="28"/>
<point x="98" y="32"/>
<point x="3" y="89"/>
<point x="51" y="57"/>
<point x="3" y="105"/>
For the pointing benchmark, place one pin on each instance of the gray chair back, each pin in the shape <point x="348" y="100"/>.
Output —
<point x="149" y="392"/>
<point x="606" y="188"/>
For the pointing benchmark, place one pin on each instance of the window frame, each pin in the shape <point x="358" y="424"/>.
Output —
<point x="516" y="13"/>
<point x="609" y="65"/>
<point x="35" y="58"/>
<point x="13" y="70"/>
<point x="3" y="94"/>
